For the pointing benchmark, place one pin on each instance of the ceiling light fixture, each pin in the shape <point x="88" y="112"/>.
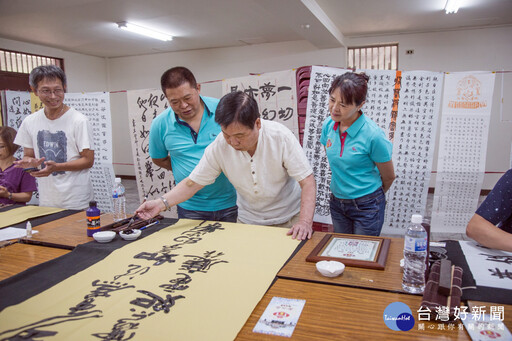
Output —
<point x="452" y="6"/>
<point x="144" y="31"/>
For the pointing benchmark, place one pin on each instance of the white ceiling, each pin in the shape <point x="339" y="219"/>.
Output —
<point x="88" y="26"/>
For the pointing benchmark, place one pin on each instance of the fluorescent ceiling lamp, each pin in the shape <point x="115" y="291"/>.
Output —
<point x="452" y="6"/>
<point x="144" y="31"/>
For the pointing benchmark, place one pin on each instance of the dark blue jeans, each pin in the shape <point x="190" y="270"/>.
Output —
<point x="363" y="215"/>
<point x="228" y="215"/>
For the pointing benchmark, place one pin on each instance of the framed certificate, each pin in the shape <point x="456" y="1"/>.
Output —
<point x="352" y="250"/>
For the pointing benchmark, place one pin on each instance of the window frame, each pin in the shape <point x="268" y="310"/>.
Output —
<point x="387" y="54"/>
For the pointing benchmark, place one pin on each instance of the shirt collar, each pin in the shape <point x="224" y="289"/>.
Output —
<point x="354" y="128"/>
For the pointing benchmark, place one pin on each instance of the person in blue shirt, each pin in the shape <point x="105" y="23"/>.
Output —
<point x="178" y="138"/>
<point x="359" y="156"/>
<point x="491" y="225"/>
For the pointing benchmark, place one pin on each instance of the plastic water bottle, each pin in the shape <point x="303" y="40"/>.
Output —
<point x="119" y="200"/>
<point x="415" y="254"/>
<point x="29" y="229"/>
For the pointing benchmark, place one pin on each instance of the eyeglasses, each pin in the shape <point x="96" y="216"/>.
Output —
<point x="56" y="92"/>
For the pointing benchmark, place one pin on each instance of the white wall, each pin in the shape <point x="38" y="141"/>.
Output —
<point x="479" y="49"/>
<point x="141" y="72"/>
<point x="450" y="51"/>
<point x="84" y="73"/>
<point x="468" y="50"/>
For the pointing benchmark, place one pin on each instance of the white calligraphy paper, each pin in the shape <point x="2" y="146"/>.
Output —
<point x="413" y="146"/>
<point x="379" y="99"/>
<point x="467" y="101"/>
<point x="96" y="106"/>
<point x="275" y="93"/>
<point x="406" y="108"/>
<point x="489" y="267"/>
<point x="316" y="113"/>
<point x="143" y="106"/>
<point x="17" y="105"/>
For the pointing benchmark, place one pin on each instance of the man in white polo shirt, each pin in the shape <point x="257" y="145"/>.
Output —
<point x="263" y="161"/>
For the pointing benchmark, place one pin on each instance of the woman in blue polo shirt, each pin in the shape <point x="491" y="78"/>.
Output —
<point x="359" y="155"/>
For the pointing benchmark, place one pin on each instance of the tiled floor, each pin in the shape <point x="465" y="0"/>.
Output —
<point x="132" y="203"/>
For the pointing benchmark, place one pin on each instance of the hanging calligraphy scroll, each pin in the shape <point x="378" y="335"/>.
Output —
<point x="317" y="112"/>
<point x="413" y="147"/>
<point x="275" y="94"/>
<point x="17" y="107"/>
<point x="467" y="101"/>
<point x="152" y="181"/>
<point x="191" y="281"/>
<point x="407" y="110"/>
<point x="380" y="99"/>
<point x="96" y="106"/>
<point x="35" y="103"/>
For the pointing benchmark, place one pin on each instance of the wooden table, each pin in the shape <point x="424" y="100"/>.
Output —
<point x="389" y="279"/>
<point x="16" y="258"/>
<point x="343" y="313"/>
<point x="66" y="232"/>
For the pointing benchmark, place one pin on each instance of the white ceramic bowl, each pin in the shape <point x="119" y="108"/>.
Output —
<point x="330" y="268"/>
<point x="130" y="236"/>
<point x="104" y="236"/>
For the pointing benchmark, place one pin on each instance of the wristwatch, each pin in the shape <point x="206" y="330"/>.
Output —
<point x="10" y="195"/>
<point x="167" y="206"/>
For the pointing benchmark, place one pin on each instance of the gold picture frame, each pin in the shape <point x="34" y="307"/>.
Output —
<point x="352" y="250"/>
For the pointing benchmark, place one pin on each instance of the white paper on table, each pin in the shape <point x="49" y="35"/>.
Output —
<point x="13" y="233"/>
<point x="486" y="328"/>
<point x="280" y="317"/>
<point x="490" y="267"/>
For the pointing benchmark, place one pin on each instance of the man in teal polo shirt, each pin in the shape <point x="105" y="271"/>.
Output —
<point x="178" y="138"/>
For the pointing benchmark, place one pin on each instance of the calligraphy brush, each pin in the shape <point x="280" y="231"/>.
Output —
<point x="130" y="223"/>
<point x="133" y="218"/>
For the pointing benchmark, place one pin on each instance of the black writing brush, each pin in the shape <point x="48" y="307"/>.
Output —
<point x="133" y="218"/>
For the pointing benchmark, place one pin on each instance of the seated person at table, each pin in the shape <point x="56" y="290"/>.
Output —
<point x="16" y="185"/>
<point x="59" y="140"/>
<point x="265" y="163"/>
<point x="491" y="225"/>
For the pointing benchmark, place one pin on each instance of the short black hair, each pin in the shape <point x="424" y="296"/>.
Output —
<point x="46" y="71"/>
<point x="176" y="76"/>
<point x="237" y="107"/>
<point x="353" y="87"/>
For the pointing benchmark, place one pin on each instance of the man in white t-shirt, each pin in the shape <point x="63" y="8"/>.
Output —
<point x="57" y="140"/>
<point x="263" y="161"/>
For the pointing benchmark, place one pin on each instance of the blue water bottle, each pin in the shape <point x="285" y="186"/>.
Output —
<point x="93" y="219"/>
